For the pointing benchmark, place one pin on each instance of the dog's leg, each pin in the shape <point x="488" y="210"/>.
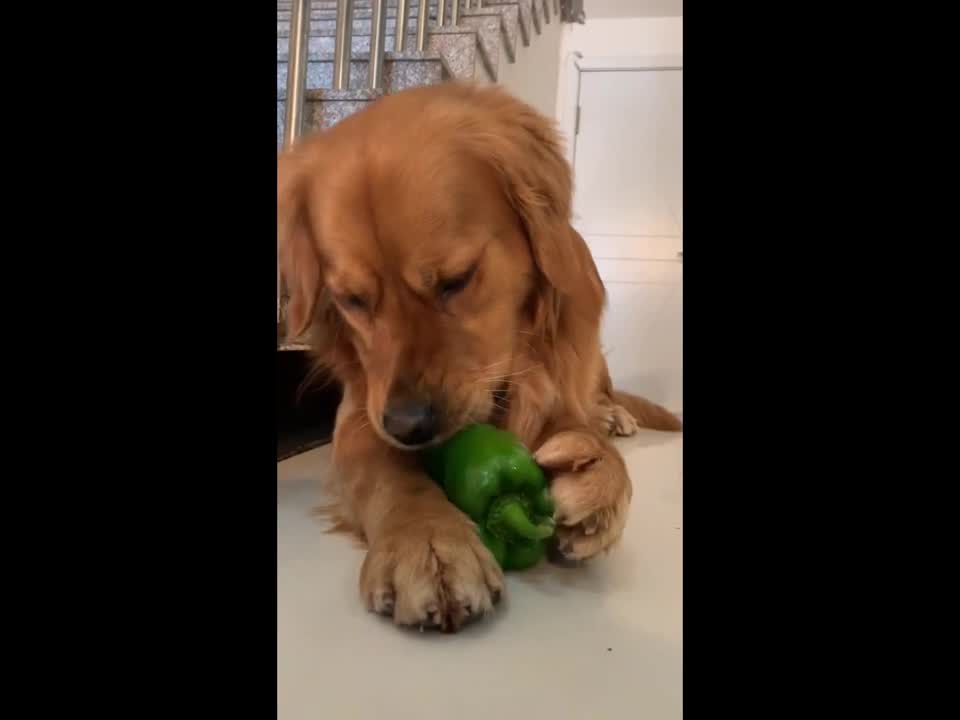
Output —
<point x="621" y="413"/>
<point x="425" y="564"/>
<point x="591" y="489"/>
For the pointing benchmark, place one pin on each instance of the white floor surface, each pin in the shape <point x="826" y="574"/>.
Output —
<point x="600" y="642"/>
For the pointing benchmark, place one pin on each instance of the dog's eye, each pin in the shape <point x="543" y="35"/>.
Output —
<point x="354" y="302"/>
<point x="449" y="288"/>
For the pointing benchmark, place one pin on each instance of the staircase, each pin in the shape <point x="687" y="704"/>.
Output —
<point x="491" y="42"/>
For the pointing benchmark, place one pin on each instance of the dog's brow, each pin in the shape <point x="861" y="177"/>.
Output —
<point x="442" y="261"/>
<point x="428" y="278"/>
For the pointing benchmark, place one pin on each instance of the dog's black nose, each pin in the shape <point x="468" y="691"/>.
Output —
<point x="410" y="422"/>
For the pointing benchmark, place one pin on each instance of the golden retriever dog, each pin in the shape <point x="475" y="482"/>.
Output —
<point x="426" y="246"/>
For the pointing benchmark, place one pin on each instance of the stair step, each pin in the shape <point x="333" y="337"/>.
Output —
<point x="547" y="10"/>
<point x="520" y="12"/>
<point x="493" y="29"/>
<point x="325" y="108"/>
<point x="284" y="16"/>
<point x="513" y="19"/>
<point x="357" y="5"/>
<point x="333" y="3"/>
<point x="515" y="15"/>
<point x="465" y="52"/>
<point x="400" y="71"/>
<point x="361" y="26"/>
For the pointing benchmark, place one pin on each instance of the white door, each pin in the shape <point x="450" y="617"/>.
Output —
<point x="628" y="205"/>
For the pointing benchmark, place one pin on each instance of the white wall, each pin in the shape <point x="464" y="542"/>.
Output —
<point x="643" y="326"/>
<point x="535" y="75"/>
<point x="539" y="75"/>
<point x="617" y="37"/>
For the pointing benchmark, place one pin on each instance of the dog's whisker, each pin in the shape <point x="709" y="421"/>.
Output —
<point x="362" y="426"/>
<point x="514" y="374"/>
<point x="503" y="378"/>
<point x="492" y="365"/>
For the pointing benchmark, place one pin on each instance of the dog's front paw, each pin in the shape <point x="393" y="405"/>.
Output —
<point x="431" y="573"/>
<point x="591" y="490"/>
<point x="621" y="422"/>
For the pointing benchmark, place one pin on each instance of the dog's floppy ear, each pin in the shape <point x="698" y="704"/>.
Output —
<point x="299" y="263"/>
<point x="525" y="150"/>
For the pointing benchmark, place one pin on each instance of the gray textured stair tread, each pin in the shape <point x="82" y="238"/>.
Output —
<point x="511" y="17"/>
<point x="401" y="71"/>
<point x="541" y="8"/>
<point x="323" y="108"/>
<point x="284" y="17"/>
<point x="283" y="40"/>
<point x="458" y="49"/>
<point x="327" y="56"/>
<point x="519" y="11"/>
<point x="285" y="5"/>
<point x="492" y="27"/>
<point x="457" y="44"/>
<point x="360" y="94"/>
<point x="328" y="27"/>
<point x="322" y="28"/>
<point x="524" y="10"/>
<point x="331" y="5"/>
<point x="325" y="26"/>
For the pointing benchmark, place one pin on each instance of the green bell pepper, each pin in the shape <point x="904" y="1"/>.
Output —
<point x="491" y="477"/>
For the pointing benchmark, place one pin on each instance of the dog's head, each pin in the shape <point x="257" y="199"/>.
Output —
<point x="426" y="242"/>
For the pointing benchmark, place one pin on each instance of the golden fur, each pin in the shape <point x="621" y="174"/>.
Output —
<point x="377" y="219"/>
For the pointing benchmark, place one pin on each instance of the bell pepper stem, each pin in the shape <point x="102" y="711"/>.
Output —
<point x="511" y="516"/>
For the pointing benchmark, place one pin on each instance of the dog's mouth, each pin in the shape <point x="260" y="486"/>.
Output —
<point x="415" y="447"/>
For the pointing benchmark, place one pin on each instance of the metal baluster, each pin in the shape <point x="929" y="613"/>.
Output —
<point x="378" y="33"/>
<point x="400" y="40"/>
<point x="441" y="12"/>
<point x="297" y="44"/>
<point x="454" y="12"/>
<point x="342" y="49"/>
<point x="421" y="25"/>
